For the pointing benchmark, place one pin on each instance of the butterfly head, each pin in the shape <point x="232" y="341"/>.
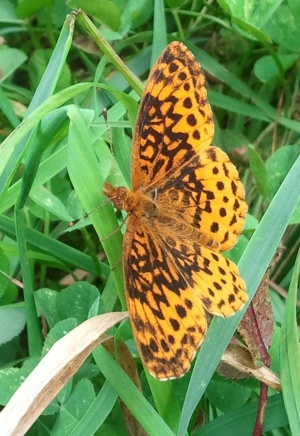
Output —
<point x="118" y="196"/>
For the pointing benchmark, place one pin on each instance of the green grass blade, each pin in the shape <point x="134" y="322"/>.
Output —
<point x="97" y="413"/>
<point x="12" y="149"/>
<point x="238" y="86"/>
<point x="290" y="355"/>
<point x="242" y="420"/>
<point x="149" y="419"/>
<point x="252" y="265"/>
<point x="159" y="31"/>
<point x="236" y="106"/>
<point x="51" y="75"/>
<point x="50" y="167"/>
<point x="82" y="160"/>
<point x="7" y="110"/>
<point x="15" y="146"/>
<point x="94" y="33"/>
<point x="165" y="400"/>
<point x="62" y="252"/>
<point x="34" y="335"/>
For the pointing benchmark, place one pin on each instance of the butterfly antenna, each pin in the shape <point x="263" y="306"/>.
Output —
<point x="87" y="214"/>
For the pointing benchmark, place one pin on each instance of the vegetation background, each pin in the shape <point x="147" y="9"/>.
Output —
<point x="55" y="156"/>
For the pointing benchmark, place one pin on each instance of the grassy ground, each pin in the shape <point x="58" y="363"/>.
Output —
<point x="58" y="75"/>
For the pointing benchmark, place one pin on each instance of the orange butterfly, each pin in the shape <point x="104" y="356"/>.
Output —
<point x="187" y="204"/>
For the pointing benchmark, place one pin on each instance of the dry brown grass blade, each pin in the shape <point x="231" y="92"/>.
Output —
<point x="53" y="372"/>
<point x="241" y="359"/>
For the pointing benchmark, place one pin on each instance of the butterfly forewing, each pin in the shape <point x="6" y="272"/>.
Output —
<point x="174" y="120"/>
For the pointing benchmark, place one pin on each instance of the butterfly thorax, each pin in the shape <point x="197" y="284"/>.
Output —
<point x="154" y="213"/>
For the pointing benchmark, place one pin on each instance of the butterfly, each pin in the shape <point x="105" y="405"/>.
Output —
<point x="186" y="206"/>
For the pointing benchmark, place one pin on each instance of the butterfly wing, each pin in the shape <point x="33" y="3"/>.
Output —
<point x="169" y="282"/>
<point x="207" y="193"/>
<point x="167" y="322"/>
<point x="174" y="121"/>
